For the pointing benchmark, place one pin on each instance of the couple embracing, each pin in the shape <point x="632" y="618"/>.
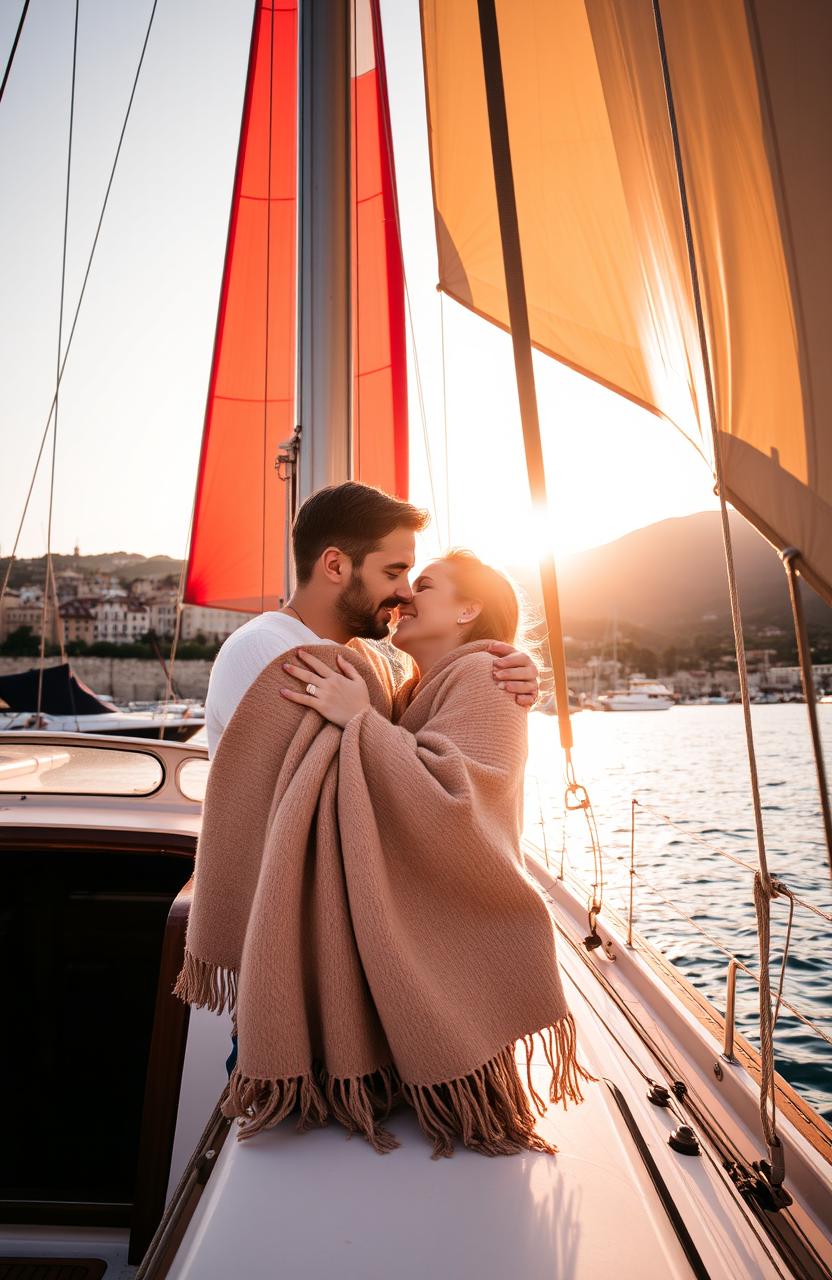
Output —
<point x="360" y="902"/>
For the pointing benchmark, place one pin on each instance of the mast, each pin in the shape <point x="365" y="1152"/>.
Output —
<point x="324" y="381"/>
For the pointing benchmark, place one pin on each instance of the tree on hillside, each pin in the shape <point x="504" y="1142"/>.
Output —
<point x="21" y="643"/>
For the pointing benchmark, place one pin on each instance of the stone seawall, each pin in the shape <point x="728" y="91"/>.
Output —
<point x="127" y="679"/>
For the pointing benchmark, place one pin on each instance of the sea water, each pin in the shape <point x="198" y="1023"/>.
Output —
<point x="691" y="764"/>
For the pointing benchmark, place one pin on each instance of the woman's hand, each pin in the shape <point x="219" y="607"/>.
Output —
<point x="338" y="696"/>
<point x="515" y="672"/>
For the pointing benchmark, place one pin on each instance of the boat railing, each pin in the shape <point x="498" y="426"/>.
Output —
<point x="627" y="860"/>
<point x="734" y="961"/>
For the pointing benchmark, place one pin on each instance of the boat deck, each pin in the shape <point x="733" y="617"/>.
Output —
<point x="320" y="1205"/>
<point x="616" y="1199"/>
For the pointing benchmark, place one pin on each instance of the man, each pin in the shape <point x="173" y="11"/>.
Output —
<point x="354" y="547"/>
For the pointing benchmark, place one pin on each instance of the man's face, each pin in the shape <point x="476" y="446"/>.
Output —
<point x="366" y="604"/>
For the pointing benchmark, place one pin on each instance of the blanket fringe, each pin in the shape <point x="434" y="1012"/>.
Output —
<point x="205" y="985"/>
<point x="357" y="1102"/>
<point x="354" y="1101"/>
<point x="488" y="1110"/>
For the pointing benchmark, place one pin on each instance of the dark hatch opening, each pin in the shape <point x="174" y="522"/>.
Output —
<point x="81" y="935"/>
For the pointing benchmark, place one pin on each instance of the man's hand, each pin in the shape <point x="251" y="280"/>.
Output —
<point x="515" y="672"/>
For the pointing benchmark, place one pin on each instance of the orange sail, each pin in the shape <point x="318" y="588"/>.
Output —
<point x="605" y="257"/>
<point x="237" y="552"/>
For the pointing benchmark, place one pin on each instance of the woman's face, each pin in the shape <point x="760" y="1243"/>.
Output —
<point x="432" y="616"/>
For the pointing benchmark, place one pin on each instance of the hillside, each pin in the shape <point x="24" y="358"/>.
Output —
<point x="125" y="564"/>
<point x="662" y="582"/>
<point x="669" y="579"/>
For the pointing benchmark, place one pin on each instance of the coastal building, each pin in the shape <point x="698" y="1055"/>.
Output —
<point x="699" y="683"/>
<point x="162" y="613"/>
<point x="78" y="621"/>
<point x="69" y="584"/>
<point x="214" y="625"/>
<point x="580" y="677"/>
<point x="120" y="621"/>
<point x="9" y="601"/>
<point x="142" y="588"/>
<point x="26" y="611"/>
<point x="787" y="679"/>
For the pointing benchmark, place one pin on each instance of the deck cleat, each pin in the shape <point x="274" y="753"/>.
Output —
<point x="685" y="1141"/>
<point x="658" y="1094"/>
<point x="768" y="1192"/>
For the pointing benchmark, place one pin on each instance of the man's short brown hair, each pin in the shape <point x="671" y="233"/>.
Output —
<point x="352" y="517"/>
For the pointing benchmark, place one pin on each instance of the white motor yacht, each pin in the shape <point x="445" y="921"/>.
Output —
<point x="640" y="695"/>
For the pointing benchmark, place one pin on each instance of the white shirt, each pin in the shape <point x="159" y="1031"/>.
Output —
<point x="243" y="656"/>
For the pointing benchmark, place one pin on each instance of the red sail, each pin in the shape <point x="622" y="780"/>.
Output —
<point x="380" y="441"/>
<point x="237" y="553"/>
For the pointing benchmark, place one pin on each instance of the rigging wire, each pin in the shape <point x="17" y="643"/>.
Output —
<point x="356" y="242"/>
<point x="58" y="367"/>
<point x="59" y="624"/>
<point x="420" y="395"/>
<point x="388" y="138"/>
<point x="268" y="303"/>
<point x="15" y="43"/>
<point x="93" y="248"/>
<point x="445" y="415"/>
<point x="180" y="591"/>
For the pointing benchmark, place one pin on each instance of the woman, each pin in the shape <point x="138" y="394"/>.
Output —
<point x="456" y="600"/>
<point x="364" y="905"/>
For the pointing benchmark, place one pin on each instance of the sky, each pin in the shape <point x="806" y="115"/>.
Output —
<point x="133" y="395"/>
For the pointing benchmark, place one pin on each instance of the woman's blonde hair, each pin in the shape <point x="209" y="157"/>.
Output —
<point x="500" y="616"/>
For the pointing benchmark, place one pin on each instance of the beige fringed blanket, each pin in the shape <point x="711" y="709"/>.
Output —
<point x="360" y="904"/>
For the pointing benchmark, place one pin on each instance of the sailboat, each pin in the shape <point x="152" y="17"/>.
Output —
<point x="591" y="190"/>
<point x="55" y="700"/>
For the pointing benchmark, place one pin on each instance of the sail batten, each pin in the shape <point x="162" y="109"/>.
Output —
<point x="602" y="232"/>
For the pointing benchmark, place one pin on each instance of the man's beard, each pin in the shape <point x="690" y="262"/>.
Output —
<point x="358" y="614"/>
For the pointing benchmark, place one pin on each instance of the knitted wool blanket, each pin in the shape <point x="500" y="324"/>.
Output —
<point x="361" y="905"/>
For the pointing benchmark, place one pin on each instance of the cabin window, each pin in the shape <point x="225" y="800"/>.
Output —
<point x="78" y="770"/>
<point x="192" y="778"/>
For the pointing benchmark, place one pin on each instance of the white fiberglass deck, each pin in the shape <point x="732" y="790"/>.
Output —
<point x="320" y="1205"/>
